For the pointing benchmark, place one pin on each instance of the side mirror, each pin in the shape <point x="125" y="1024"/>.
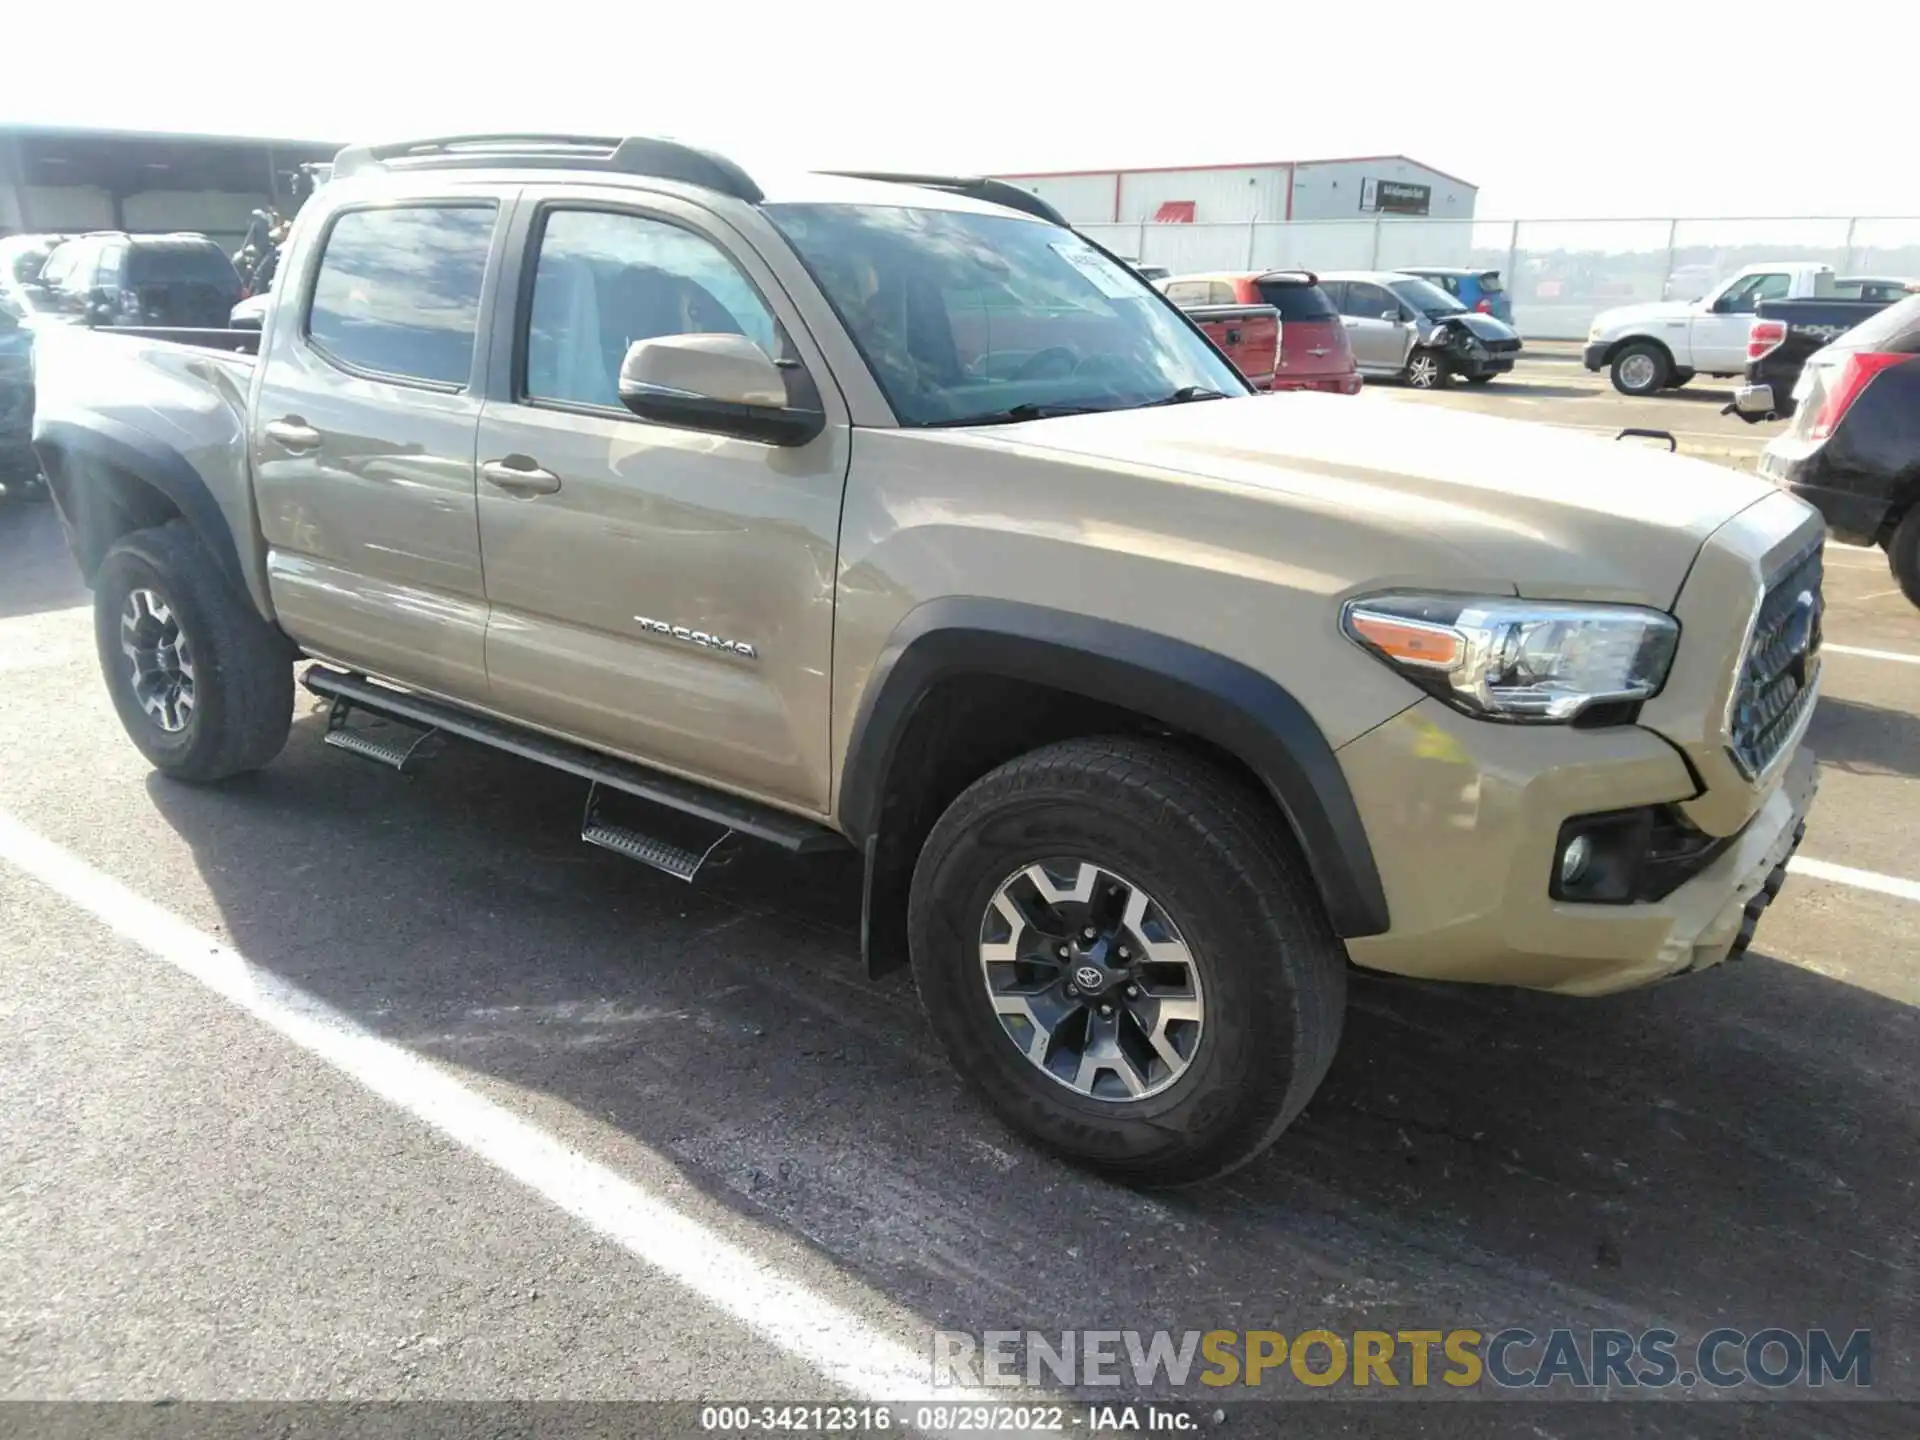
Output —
<point x="1391" y="316"/>
<point x="724" y="384"/>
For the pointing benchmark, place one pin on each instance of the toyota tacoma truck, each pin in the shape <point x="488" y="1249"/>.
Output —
<point x="837" y="512"/>
<point x="1663" y="345"/>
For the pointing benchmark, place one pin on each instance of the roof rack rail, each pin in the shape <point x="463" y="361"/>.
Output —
<point x="626" y="155"/>
<point x="974" y="187"/>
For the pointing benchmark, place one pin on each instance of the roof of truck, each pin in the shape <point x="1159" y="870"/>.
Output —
<point x="656" y="162"/>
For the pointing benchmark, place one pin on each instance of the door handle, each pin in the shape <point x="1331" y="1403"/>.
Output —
<point x="525" y="478"/>
<point x="292" y="433"/>
<point x="1350" y="323"/>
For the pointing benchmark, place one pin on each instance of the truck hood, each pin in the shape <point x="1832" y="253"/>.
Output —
<point x="1654" y="312"/>
<point x="1551" y="513"/>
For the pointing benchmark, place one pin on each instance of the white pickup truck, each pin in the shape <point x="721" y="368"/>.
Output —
<point x="1663" y="345"/>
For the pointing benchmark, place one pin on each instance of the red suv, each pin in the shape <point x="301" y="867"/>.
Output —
<point x="1314" y="352"/>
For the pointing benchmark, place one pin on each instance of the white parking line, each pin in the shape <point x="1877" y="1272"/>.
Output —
<point x="1859" y="879"/>
<point x="843" y="1348"/>
<point x="1894" y="655"/>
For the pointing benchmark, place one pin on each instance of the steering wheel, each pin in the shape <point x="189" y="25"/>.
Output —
<point x="1031" y="367"/>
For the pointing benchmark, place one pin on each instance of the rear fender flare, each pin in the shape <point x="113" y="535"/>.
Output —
<point x="65" y="450"/>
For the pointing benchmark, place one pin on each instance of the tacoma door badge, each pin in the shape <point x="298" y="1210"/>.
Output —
<point x="697" y="637"/>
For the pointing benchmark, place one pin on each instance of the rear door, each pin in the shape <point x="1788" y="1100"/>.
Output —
<point x="659" y="592"/>
<point x="364" y="422"/>
<point x="1380" y="345"/>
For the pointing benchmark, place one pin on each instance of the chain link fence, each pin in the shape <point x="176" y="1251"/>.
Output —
<point x="1558" y="273"/>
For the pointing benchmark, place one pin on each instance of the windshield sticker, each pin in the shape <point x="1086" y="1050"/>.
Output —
<point x="1108" y="278"/>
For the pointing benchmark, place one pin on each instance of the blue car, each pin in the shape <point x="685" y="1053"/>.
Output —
<point x="1476" y="289"/>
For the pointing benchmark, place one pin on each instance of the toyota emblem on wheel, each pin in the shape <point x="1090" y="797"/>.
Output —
<point x="1088" y="977"/>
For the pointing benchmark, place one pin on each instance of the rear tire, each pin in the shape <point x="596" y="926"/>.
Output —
<point x="1641" y="368"/>
<point x="203" y="685"/>
<point x="1903" y="554"/>
<point x="1230" y="926"/>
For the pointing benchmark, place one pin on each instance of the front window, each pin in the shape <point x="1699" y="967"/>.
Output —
<point x="968" y="318"/>
<point x="1490" y="282"/>
<point x="1427" y="298"/>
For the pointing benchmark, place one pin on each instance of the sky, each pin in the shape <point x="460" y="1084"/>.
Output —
<point x="1555" y="109"/>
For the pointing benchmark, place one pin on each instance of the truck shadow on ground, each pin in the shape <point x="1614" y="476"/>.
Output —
<point x="1865" y="739"/>
<point x="36" y="572"/>
<point x="1735" y="1148"/>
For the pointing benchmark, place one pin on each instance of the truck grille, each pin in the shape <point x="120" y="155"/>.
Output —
<point x="1777" y="680"/>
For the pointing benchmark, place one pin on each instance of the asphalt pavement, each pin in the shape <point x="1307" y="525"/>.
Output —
<point x="331" y="1083"/>
<point x="1549" y="386"/>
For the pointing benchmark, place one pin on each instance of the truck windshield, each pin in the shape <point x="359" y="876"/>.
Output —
<point x="966" y="317"/>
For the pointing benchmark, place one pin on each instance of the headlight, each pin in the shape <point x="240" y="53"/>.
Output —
<point x="1594" y="333"/>
<point x="1534" y="661"/>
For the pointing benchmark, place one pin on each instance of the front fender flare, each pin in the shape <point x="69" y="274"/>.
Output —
<point x="1180" y="685"/>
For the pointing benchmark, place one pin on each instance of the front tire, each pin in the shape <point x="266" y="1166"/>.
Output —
<point x="1641" y="368"/>
<point x="1223" y="1013"/>
<point x="203" y="685"/>
<point x="1427" y="370"/>
<point x="1480" y="379"/>
<point x="1903" y="555"/>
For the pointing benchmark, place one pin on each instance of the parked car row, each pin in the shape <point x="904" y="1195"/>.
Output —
<point x="1337" y="327"/>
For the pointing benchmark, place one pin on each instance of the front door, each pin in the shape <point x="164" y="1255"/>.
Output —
<point x="659" y="592"/>
<point x="363" y="434"/>
<point x="1719" y="335"/>
<point x="1380" y="345"/>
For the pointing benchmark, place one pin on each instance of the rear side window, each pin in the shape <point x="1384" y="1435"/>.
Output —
<point x="1296" y="301"/>
<point x="398" y="291"/>
<point x="1189" y="292"/>
<point x="181" y="264"/>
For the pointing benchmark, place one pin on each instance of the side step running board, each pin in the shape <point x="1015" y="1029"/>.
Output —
<point x="729" y="812"/>
<point x="682" y="861"/>
<point x="387" y="752"/>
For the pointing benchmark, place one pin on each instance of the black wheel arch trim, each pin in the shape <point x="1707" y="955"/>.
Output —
<point x="59" y="443"/>
<point x="1181" y="685"/>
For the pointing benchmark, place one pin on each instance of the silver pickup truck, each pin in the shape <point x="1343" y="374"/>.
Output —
<point x="890" y="513"/>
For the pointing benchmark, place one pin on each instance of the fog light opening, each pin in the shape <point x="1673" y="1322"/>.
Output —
<point x="1574" y="860"/>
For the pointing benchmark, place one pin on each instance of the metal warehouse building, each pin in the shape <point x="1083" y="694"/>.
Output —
<point x="57" y="178"/>
<point x="1277" y="190"/>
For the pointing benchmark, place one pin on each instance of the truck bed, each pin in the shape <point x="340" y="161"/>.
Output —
<point x="1810" y="325"/>
<point x="1249" y="334"/>
<point x="153" y="402"/>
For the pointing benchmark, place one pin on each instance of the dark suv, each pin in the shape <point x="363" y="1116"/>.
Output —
<point x="113" y="278"/>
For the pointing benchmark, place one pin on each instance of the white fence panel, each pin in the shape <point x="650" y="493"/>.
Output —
<point x="1559" y="273"/>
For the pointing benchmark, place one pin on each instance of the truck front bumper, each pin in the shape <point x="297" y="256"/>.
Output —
<point x="1465" y="819"/>
<point x="1594" y="356"/>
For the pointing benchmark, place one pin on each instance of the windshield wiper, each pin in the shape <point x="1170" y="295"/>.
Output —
<point x="1186" y="393"/>
<point x="1014" y="414"/>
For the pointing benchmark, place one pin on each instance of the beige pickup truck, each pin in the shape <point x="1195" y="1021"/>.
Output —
<point x="888" y="512"/>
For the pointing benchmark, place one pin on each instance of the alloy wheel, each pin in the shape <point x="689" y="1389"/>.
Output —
<point x="1423" y="371"/>
<point x="1091" y="980"/>
<point x="160" y="660"/>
